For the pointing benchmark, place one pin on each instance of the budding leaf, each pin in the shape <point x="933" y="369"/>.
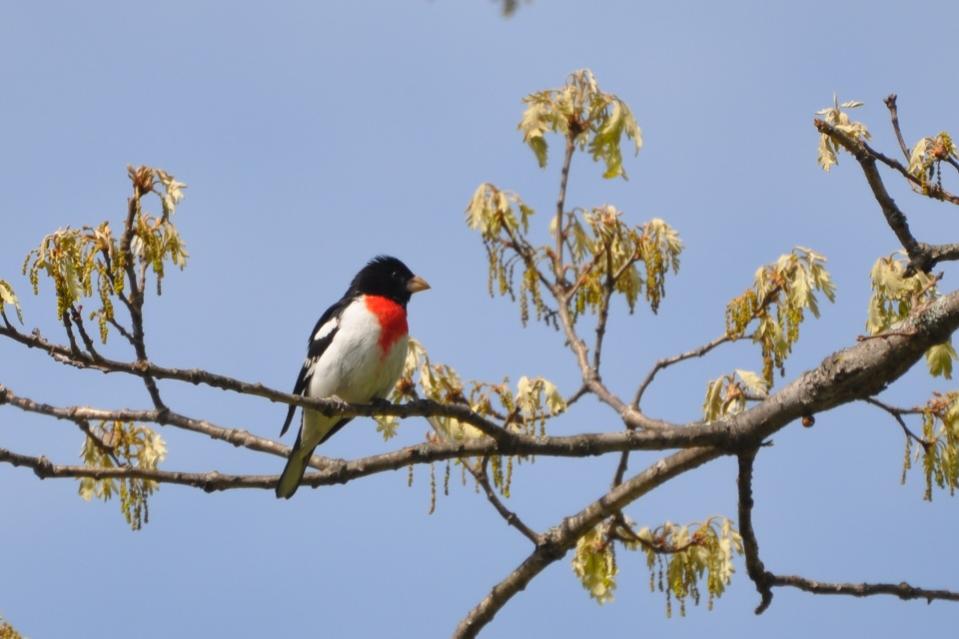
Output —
<point x="839" y="119"/>
<point x="939" y="453"/>
<point x="939" y="358"/>
<point x="586" y="115"/>
<point x="7" y="296"/>
<point x="927" y="155"/>
<point x="753" y="382"/>
<point x="776" y="304"/>
<point x="595" y="565"/>
<point x="894" y="295"/>
<point x="125" y="444"/>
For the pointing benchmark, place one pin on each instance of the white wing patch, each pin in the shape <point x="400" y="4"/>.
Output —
<point x="326" y="329"/>
<point x="352" y="367"/>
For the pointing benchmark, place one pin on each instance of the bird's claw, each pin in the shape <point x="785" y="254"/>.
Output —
<point x="337" y="405"/>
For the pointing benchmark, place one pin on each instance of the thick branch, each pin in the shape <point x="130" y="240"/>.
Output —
<point x="331" y="471"/>
<point x="559" y="540"/>
<point x="583" y="445"/>
<point x="860" y="371"/>
<point x="894" y="216"/>
<point x="556" y="544"/>
<point x="941" y="252"/>
<point x="855" y="373"/>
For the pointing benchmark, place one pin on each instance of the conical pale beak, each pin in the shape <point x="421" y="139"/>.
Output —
<point x="417" y="284"/>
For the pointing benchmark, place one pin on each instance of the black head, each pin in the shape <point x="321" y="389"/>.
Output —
<point x="388" y="277"/>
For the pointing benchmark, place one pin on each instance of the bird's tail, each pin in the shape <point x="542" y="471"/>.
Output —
<point x="294" y="470"/>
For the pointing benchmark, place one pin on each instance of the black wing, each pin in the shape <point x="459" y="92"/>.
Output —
<point x="320" y="338"/>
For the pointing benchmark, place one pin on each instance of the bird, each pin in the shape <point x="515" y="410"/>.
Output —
<point x="356" y="353"/>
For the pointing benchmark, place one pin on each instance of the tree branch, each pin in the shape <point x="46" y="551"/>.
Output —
<point x="890" y="102"/>
<point x="583" y="445"/>
<point x="332" y="471"/>
<point x="897" y="414"/>
<point x="621" y="468"/>
<point x="134" y="303"/>
<point x="560" y="539"/>
<point x="561" y="203"/>
<point x="68" y="327"/>
<point x="87" y="342"/>
<point x="511" y="518"/>
<point x="857" y="372"/>
<point x="419" y="408"/>
<point x="675" y="359"/>
<point x="164" y="417"/>
<point x="902" y="590"/>
<point x="754" y="565"/>
<point x="921" y="256"/>
<point x="209" y="482"/>
<point x="591" y="377"/>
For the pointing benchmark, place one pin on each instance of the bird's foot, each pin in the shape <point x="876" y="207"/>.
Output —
<point x="337" y="405"/>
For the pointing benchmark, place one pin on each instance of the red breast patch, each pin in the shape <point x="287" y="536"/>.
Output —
<point x="392" y="318"/>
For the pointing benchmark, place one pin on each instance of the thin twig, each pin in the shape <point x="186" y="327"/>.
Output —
<point x="621" y="468"/>
<point x="68" y="327"/>
<point x="581" y="278"/>
<point x="754" y="565"/>
<point x="894" y="116"/>
<point x="574" y="130"/>
<point x="210" y="481"/>
<point x="921" y="256"/>
<point x="675" y="359"/>
<point x="764" y="303"/>
<point x="897" y="414"/>
<point x="120" y="328"/>
<point x="934" y="191"/>
<point x="87" y="342"/>
<point x="624" y="532"/>
<point x="134" y="303"/>
<point x="511" y="518"/>
<point x="164" y="417"/>
<point x="603" y="314"/>
<point x="575" y="397"/>
<point x="902" y="589"/>
<point x="84" y="426"/>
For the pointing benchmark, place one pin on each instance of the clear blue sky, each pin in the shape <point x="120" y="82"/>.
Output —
<point x="315" y="135"/>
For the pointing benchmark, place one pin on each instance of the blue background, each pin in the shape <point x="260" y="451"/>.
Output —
<point x="315" y="135"/>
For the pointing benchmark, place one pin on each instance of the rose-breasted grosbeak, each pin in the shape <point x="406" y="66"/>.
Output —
<point x="356" y="353"/>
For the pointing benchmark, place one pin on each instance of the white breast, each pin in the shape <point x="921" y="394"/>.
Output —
<point x="353" y="367"/>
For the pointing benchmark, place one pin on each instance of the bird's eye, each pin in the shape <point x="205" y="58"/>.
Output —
<point x="395" y="275"/>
